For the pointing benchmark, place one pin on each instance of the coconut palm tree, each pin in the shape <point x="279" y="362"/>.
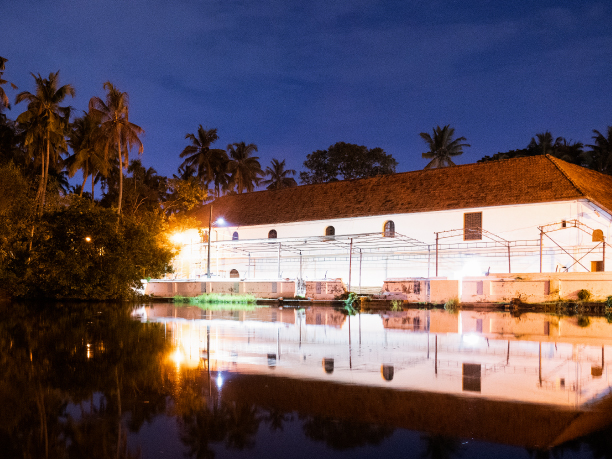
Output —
<point x="599" y="157"/>
<point x="543" y="143"/>
<point x="88" y="153"/>
<point x="278" y="176"/>
<point x="4" y="100"/>
<point x="46" y="123"/>
<point x="442" y="146"/>
<point x="116" y="130"/>
<point x="244" y="168"/>
<point x="208" y="162"/>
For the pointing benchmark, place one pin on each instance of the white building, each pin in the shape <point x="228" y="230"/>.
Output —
<point x="486" y="217"/>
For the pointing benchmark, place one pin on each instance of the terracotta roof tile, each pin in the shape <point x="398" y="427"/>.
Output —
<point x="495" y="183"/>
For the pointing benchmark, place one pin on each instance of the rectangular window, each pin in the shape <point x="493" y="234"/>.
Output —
<point x="597" y="266"/>
<point x="472" y="226"/>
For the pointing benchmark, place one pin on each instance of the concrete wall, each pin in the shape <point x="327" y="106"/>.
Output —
<point x="535" y="287"/>
<point x="261" y="289"/>
<point x="436" y="290"/>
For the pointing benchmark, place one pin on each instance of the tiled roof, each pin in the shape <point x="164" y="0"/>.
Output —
<point x="494" y="183"/>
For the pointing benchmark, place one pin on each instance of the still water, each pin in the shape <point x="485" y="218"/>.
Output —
<point x="163" y="381"/>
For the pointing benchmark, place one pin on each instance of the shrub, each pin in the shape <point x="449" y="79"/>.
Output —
<point x="609" y="304"/>
<point x="584" y="295"/>
<point x="452" y="305"/>
<point x="583" y="321"/>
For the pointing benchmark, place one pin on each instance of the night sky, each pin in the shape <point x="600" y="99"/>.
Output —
<point x="295" y="76"/>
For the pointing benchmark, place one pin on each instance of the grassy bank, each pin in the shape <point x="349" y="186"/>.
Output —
<point x="216" y="301"/>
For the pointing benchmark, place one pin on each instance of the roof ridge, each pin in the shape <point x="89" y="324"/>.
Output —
<point x="554" y="160"/>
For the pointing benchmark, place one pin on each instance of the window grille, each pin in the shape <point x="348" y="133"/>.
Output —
<point x="330" y="231"/>
<point x="389" y="229"/>
<point x="472" y="226"/>
<point x="272" y="234"/>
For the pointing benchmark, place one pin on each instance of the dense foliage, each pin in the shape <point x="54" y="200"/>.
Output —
<point x="85" y="251"/>
<point x="346" y="161"/>
<point x="597" y="157"/>
<point x="78" y="250"/>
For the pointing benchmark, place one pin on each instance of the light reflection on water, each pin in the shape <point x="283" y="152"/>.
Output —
<point x="161" y="381"/>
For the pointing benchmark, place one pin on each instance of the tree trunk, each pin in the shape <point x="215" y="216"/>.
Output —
<point x="39" y="193"/>
<point x="86" y="174"/>
<point x="120" y="172"/>
<point x="46" y="177"/>
<point x="93" y="182"/>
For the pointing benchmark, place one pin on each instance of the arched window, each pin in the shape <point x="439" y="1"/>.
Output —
<point x="328" y="366"/>
<point x="234" y="273"/>
<point x="272" y="234"/>
<point x="389" y="229"/>
<point x="598" y="235"/>
<point x="330" y="231"/>
<point x="387" y="372"/>
<point x="235" y="236"/>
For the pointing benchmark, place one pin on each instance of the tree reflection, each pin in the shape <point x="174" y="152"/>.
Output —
<point x="342" y="434"/>
<point x="56" y="356"/>
<point x="440" y="447"/>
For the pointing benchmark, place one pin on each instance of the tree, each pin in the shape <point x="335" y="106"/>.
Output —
<point x="278" y="176"/>
<point x="4" y="100"/>
<point x="208" y="162"/>
<point x="244" y="169"/>
<point x="347" y="161"/>
<point x="46" y="122"/>
<point x="599" y="157"/>
<point x="84" y="251"/>
<point x="442" y="147"/>
<point x="183" y="195"/>
<point x="116" y="130"/>
<point x="88" y="155"/>
<point x="543" y="143"/>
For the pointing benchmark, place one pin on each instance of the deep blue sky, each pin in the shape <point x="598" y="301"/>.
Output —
<point x="294" y="76"/>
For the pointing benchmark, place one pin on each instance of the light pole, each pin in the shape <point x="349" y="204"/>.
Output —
<point x="221" y="222"/>
<point x="209" y="236"/>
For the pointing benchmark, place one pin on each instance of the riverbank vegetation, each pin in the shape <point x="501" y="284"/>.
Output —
<point x="218" y="299"/>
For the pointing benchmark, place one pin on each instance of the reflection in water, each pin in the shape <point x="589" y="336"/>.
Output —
<point x="90" y="381"/>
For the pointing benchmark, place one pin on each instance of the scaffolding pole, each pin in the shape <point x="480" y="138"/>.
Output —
<point x="436" y="254"/>
<point x="360" y="259"/>
<point x="350" y="264"/>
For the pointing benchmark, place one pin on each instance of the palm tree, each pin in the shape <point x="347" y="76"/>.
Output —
<point x="442" y="146"/>
<point x="208" y="162"/>
<point x="599" y="157"/>
<point x="88" y="154"/>
<point x="278" y="176"/>
<point x="543" y="143"/>
<point x="116" y="130"/>
<point x="4" y="100"/>
<point x="244" y="168"/>
<point x="46" y="122"/>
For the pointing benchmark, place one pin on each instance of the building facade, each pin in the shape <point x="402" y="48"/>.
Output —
<point x="513" y="216"/>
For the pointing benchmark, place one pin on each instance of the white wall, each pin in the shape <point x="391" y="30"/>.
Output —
<point x="512" y="223"/>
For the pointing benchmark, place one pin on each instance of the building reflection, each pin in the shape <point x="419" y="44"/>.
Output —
<point x="533" y="358"/>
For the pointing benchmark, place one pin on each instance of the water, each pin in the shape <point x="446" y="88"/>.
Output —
<point x="96" y="380"/>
